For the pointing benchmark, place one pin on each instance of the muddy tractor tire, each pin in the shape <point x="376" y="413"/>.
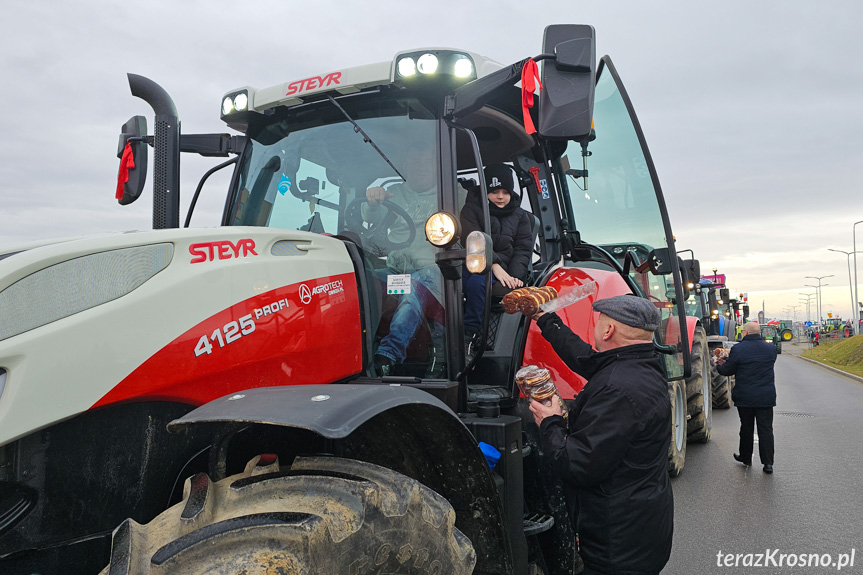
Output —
<point x="324" y="515"/>
<point x="677" y="447"/>
<point x="699" y="393"/>
<point x="722" y="385"/>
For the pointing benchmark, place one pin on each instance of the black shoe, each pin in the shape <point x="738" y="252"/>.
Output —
<point x="743" y="461"/>
<point x="768" y="468"/>
<point x="383" y="365"/>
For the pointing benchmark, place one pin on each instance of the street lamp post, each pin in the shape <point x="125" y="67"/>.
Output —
<point x="819" y="278"/>
<point x="808" y="301"/>
<point x="850" y="285"/>
<point x="856" y="295"/>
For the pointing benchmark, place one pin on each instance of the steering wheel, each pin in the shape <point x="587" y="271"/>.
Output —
<point x="379" y="233"/>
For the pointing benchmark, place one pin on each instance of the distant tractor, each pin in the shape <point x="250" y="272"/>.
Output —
<point x="783" y="329"/>
<point x="770" y="334"/>
<point x="709" y="303"/>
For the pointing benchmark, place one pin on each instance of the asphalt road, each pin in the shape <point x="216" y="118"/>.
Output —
<point x="813" y="502"/>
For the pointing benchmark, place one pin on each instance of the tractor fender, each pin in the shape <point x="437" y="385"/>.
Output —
<point x="397" y="427"/>
<point x="691" y="324"/>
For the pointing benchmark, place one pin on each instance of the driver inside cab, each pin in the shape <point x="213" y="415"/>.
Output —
<point x="418" y="196"/>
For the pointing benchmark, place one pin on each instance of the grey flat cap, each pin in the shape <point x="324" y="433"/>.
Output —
<point x="631" y="310"/>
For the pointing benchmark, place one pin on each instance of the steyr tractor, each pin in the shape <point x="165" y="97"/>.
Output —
<point x="209" y="400"/>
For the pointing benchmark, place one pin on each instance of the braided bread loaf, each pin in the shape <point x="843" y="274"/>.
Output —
<point x="510" y="300"/>
<point x="527" y="299"/>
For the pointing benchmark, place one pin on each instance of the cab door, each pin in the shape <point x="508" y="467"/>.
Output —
<point x="620" y="206"/>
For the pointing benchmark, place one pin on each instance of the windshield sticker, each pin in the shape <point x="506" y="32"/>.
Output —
<point x="399" y="284"/>
<point x="284" y="184"/>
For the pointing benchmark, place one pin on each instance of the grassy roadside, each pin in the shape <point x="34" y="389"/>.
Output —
<point x="843" y="354"/>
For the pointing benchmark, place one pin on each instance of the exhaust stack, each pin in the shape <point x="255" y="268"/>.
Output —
<point x="166" y="155"/>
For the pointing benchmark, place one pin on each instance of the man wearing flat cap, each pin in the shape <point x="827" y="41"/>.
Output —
<point x="613" y="458"/>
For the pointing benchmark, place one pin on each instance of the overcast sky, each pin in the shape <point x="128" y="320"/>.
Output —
<point x="751" y="109"/>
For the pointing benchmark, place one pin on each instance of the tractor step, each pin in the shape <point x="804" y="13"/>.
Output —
<point x="536" y="523"/>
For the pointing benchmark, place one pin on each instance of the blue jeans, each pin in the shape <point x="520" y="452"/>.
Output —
<point x="473" y="286"/>
<point x="412" y="310"/>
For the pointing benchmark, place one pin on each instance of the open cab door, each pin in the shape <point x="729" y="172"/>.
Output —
<point x="614" y="201"/>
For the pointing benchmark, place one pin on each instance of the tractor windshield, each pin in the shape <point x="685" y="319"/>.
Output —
<point x="621" y="208"/>
<point x="308" y="168"/>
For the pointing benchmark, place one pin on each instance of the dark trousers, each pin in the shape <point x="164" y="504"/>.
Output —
<point x="749" y="418"/>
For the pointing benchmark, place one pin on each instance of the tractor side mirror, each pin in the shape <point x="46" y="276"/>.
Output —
<point x="566" y="100"/>
<point x="691" y="271"/>
<point x="659" y="262"/>
<point x="724" y="294"/>
<point x="132" y="151"/>
<point x="684" y="277"/>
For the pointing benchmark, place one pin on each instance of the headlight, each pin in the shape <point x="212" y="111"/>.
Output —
<point x="690" y="285"/>
<point x="427" y="64"/>
<point x="241" y="101"/>
<point x="227" y="106"/>
<point x="407" y="67"/>
<point x="463" y="67"/>
<point x="441" y="229"/>
<point x="478" y="250"/>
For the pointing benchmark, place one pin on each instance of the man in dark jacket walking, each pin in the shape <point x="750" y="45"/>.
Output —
<point x="614" y="456"/>
<point x="751" y="362"/>
<point x="511" y="236"/>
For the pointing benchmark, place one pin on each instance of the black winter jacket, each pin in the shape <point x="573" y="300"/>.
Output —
<point x="511" y="231"/>
<point x="751" y="362"/>
<point x="614" y="456"/>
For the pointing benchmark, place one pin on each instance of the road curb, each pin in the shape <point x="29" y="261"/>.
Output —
<point x="857" y="378"/>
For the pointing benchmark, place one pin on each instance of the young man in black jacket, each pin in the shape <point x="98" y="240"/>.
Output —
<point x="512" y="240"/>
<point x="613" y="458"/>
<point x="754" y="394"/>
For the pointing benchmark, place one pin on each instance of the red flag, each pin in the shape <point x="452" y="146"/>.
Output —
<point x="127" y="162"/>
<point x="529" y="81"/>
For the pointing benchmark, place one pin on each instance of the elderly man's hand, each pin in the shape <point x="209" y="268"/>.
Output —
<point x="541" y="411"/>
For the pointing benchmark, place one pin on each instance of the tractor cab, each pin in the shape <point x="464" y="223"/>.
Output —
<point x="385" y="156"/>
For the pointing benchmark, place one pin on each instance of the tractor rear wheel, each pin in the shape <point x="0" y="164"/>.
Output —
<point x="677" y="447"/>
<point x="786" y="335"/>
<point x="699" y="392"/>
<point x="721" y="389"/>
<point x="324" y="515"/>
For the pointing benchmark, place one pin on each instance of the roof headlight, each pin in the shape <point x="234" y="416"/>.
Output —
<point x="427" y="64"/>
<point x="227" y="106"/>
<point x="241" y="101"/>
<point x="407" y="67"/>
<point x="463" y="67"/>
<point x="441" y="229"/>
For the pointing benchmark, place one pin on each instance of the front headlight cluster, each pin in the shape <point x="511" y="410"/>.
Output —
<point x="238" y="102"/>
<point x="439" y="62"/>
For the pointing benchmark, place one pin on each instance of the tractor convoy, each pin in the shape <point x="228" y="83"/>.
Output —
<point x="186" y="400"/>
